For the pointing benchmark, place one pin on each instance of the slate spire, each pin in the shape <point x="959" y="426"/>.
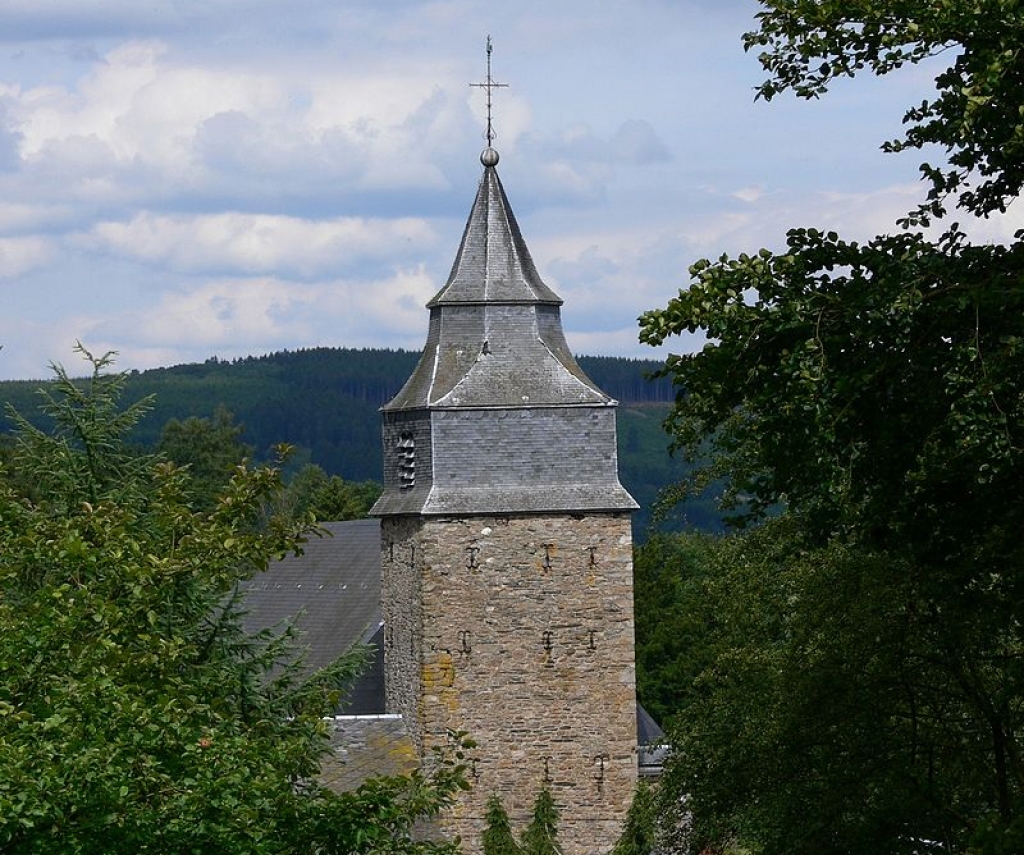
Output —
<point x="495" y="337"/>
<point x="498" y="417"/>
<point x="493" y="264"/>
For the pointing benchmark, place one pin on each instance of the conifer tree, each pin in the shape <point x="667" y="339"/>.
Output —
<point x="541" y="836"/>
<point x="212" y="449"/>
<point x="639" y="831"/>
<point x="498" y="839"/>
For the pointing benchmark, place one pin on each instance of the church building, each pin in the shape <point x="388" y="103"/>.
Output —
<point x="506" y="557"/>
<point x="496" y="583"/>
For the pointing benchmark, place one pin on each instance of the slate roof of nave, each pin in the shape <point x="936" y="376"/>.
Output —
<point x="331" y="594"/>
<point x="366" y="746"/>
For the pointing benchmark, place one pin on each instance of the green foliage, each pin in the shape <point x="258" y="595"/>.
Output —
<point x="539" y="838"/>
<point x="863" y="653"/>
<point x="136" y="715"/>
<point x="857" y="382"/>
<point x="672" y="618"/>
<point x="828" y="678"/>
<point x="497" y="837"/>
<point x="212" y="449"/>
<point x="327" y="498"/>
<point x="541" y="835"/>
<point x="640" y="833"/>
<point x="82" y="460"/>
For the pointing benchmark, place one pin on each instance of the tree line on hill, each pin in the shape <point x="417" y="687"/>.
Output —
<point x="324" y="402"/>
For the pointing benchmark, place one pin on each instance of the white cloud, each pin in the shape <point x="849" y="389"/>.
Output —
<point x="576" y="165"/>
<point x="749" y="194"/>
<point x="624" y="341"/>
<point x="393" y="306"/>
<point x="999" y="228"/>
<point x="143" y="112"/>
<point x="230" y="317"/>
<point x="216" y="313"/>
<point x="18" y="255"/>
<point x="29" y="347"/>
<point x="16" y="217"/>
<point x="636" y="142"/>
<point x="259" y="242"/>
<point x="227" y="176"/>
<point x="760" y="217"/>
<point x="49" y="115"/>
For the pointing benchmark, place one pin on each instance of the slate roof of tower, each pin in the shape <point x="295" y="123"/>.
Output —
<point x="495" y="337"/>
<point x="493" y="264"/>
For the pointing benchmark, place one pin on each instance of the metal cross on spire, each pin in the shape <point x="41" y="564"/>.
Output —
<point x="489" y="85"/>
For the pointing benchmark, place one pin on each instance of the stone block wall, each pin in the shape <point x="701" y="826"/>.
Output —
<point x="519" y="630"/>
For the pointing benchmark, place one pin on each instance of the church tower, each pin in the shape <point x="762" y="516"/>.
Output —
<point x="506" y="548"/>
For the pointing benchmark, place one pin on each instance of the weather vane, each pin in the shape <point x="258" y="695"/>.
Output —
<point x="490" y="86"/>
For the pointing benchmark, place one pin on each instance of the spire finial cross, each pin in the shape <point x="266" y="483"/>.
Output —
<point x="490" y="85"/>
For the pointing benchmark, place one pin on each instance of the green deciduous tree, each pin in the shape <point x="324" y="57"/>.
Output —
<point x="875" y="394"/>
<point x="311" y="492"/>
<point x="826" y="678"/>
<point x="136" y="715"/>
<point x="211" y="448"/>
<point x="859" y="383"/>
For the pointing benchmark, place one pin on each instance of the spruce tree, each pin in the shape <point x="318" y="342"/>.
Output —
<point x="541" y="836"/>
<point x="639" y="831"/>
<point x="498" y="839"/>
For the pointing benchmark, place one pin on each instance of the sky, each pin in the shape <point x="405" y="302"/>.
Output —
<point x="184" y="179"/>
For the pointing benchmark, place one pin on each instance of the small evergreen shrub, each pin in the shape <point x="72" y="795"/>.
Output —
<point x="498" y="839"/>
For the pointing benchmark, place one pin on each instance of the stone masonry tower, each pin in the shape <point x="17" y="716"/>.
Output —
<point x="507" y="555"/>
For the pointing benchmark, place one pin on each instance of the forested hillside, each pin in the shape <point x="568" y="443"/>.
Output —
<point x="326" y="401"/>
